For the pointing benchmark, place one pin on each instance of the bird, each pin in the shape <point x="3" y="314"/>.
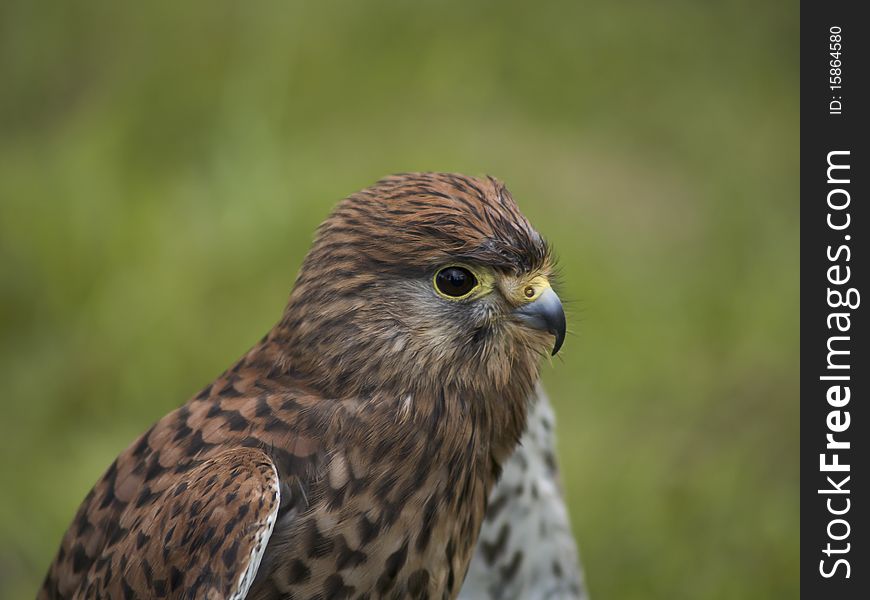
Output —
<point x="352" y="451"/>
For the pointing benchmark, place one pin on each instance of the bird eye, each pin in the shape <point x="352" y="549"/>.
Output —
<point x="455" y="282"/>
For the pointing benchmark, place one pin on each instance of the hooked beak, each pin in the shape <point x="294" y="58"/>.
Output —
<point x="545" y="314"/>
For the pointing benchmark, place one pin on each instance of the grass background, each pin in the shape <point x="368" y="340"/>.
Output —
<point x="164" y="164"/>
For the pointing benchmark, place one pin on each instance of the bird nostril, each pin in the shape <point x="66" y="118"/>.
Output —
<point x="529" y="291"/>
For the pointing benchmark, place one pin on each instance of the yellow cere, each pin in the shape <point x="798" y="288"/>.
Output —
<point x="530" y="290"/>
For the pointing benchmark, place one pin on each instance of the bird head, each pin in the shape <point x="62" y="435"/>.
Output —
<point x="425" y="281"/>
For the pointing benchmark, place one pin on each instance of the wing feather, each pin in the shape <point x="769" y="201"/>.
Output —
<point x="204" y="540"/>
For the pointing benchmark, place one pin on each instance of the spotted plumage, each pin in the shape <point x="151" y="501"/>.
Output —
<point x="526" y="550"/>
<point x="351" y="452"/>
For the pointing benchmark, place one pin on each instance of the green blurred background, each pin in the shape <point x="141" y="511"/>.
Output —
<point x="164" y="164"/>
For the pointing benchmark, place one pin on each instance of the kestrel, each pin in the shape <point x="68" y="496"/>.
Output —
<point x="352" y="451"/>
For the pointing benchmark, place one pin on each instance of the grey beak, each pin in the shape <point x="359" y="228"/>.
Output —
<point x="545" y="314"/>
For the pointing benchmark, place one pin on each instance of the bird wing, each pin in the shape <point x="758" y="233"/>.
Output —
<point x="205" y="540"/>
<point x="187" y="510"/>
<point x="526" y="550"/>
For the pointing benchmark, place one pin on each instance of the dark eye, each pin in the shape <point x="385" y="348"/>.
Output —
<point x="455" y="282"/>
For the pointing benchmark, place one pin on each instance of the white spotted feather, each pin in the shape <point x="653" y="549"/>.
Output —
<point x="526" y="550"/>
